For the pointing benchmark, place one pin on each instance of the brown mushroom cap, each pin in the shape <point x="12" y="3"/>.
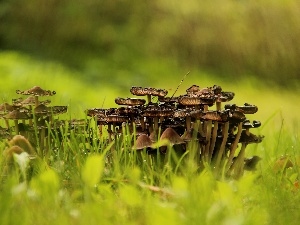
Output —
<point x="171" y="135"/>
<point x="130" y="101"/>
<point x="140" y="91"/>
<point x="6" y="107"/>
<point x="95" y="112"/>
<point x="193" y="89"/>
<point x="36" y="91"/>
<point x="17" y="115"/>
<point x="114" y="118"/>
<point x="247" y="137"/>
<point x="143" y="141"/>
<point x="154" y="110"/>
<point x="31" y="101"/>
<point x="41" y="110"/>
<point x="248" y="108"/>
<point x="189" y="100"/>
<point x="55" y="110"/>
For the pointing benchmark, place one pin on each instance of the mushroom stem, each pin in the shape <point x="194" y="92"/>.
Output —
<point x="218" y="105"/>
<point x="208" y="135"/>
<point x="36" y="98"/>
<point x="222" y="147"/>
<point x="16" y="126"/>
<point x="213" y="139"/>
<point x="155" y="119"/>
<point x="188" y="123"/>
<point x="149" y="98"/>
<point x="109" y="132"/>
<point x="238" y="165"/>
<point x="100" y="128"/>
<point x="142" y="123"/>
<point x="234" y="146"/>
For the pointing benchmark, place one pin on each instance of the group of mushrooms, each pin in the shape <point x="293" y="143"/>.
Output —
<point x="217" y="133"/>
<point x="30" y="116"/>
<point x="196" y="118"/>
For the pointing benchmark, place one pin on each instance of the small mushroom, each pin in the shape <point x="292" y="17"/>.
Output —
<point x="171" y="135"/>
<point x="148" y="91"/>
<point x="130" y="101"/>
<point x="16" y="115"/>
<point x="36" y="91"/>
<point x="143" y="141"/>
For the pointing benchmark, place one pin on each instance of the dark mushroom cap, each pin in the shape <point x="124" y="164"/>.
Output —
<point x="36" y="91"/>
<point x="193" y="89"/>
<point x="247" y="124"/>
<point x="197" y="114"/>
<point x="217" y="89"/>
<point x="236" y="116"/>
<point x="154" y="110"/>
<point x="114" y="118"/>
<point x="142" y="91"/>
<point x="228" y="95"/>
<point x="55" y="110"/>
<point x="17" y="115"/>
<point x="95" y="112"/>
<point x="189" y="100"/>
<point x="181" y="113"/>
<point x="256" y="123"/>
<point x="215" y="116"/>
<point x="130" y="101"/>
<point x="248" y="108"/>
<point x="250" y="138"/>
<point x="168" y="99"/>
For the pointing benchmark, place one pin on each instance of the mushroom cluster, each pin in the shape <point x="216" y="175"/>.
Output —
<point x="195" y="117"/>
<point x="30" y="116"/>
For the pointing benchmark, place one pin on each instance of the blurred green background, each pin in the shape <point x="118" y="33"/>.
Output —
<point x="229" y="38"/>
<point x="91" y="51"/>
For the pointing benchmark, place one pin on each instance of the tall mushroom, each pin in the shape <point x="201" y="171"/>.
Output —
<point x="16" y="115"/>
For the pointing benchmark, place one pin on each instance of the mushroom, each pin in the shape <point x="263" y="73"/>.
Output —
<point x="143" y="141"/>
<point x="16" y="115"/>
<point x="36" y="92"/>
<point x="148" y="91"/>
<point x="130" y="101"/>
<point x="156" y="112"/>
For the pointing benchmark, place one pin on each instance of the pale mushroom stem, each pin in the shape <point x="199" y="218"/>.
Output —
<point x="213" y="140"/>
<point x="222" y="147"/>
<point x="234" y="146"/>
<point x="238" y="165"/>
<point x="36" y="98"/>
<point x="142" y="121"/>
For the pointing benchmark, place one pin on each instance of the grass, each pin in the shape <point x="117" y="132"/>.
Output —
<point x="75" y="186"/>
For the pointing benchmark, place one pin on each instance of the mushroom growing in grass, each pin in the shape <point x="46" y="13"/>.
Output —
<point x="148" y="91"/>
<point x="143" y="141"/>
<point x="169" y="137"/>
<point x="36" y="91"/>
<point x="16" y="115"/>
<point x="156" y="112"/>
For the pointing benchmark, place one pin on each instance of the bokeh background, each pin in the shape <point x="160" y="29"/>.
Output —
<point x="91" y="51"/>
